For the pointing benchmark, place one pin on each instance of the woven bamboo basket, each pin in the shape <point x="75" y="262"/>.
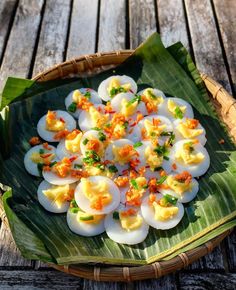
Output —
<point x="225" y="106"/>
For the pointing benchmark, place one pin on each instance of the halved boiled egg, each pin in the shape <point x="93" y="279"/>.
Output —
<point x="128" y="105"/>
<point x="82" y="223"/>
<point x="97" y="195"/>
<point x="55" y="198"/>
<point x="181" y="185"/>
<point x="37" y="157"/>
<point x="126" y="225"/>
<point x="64" y="171"/>
<point x="76" y="100"/>
<point x="153" y="99"/>
<point x="189" y="155"/>
<point x="96" y="116"/>
<point x="69" y="146"/>
<point x="114" y="85"/>
<point x="53" y="123"/>
<point x="188" y="129"/>
<point x="176" y="108"/>
<point x="162" y="212"/>
<point x="121" y="152"/>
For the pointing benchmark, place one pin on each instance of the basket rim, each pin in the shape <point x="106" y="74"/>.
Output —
<point x="90" y="62"/>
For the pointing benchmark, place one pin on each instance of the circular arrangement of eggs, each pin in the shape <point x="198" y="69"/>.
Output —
<point x="125" y="160"/>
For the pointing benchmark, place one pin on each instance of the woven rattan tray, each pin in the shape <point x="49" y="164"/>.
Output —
<point x="226" y="108"/>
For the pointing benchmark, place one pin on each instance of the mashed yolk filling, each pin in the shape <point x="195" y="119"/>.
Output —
<point x="127" y="108"/>
<point x="130" y="220"/>
<point x="98" y="119"/>
<point x="45" y="158"/>
<point x="124" y="154"/>
<point x="152" y="159"/>
<point x="187" y="155"/>
<point x="97" y="193"/>
<point x="180" y="183"/>
<point x="116" y="84"/>
<point x="153" y="128"/>
<point x="53" y="123"/>
<point x="57" y="194"/>
<point x="81" y="101"/>
<point x="151" y="100"/>
<point x="72" y="141"/>
<point x="172" y="106"/>
<point x="188" y="128"/>
<point x="163" y="213"/>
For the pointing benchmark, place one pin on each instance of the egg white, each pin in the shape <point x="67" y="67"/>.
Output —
<point x="48" y="204"/>
<point x="196" y="169"/>
<point x="32" y="167"/>
<point x="94" y="99"/>
<point x="187" y="196"/>
<point x="85" y="122"/>
<point x="119" y="235"/>
<point x="163" y="110"/>
<point x="81" y="228"/>
<point x="148" y="213"/>
<point x="84" y="202"/>
<point x="178" y="136"/>
<point x="49" y="135"/>
<point x="102" y="89"/>
<point x="109" y="154"/>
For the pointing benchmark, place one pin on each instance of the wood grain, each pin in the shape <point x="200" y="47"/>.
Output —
<point x="21" y="42"/>
<point x="205" y="281"/>
<point x="167" y="283"/>
<point x="9" y="254"/>
<point x="82" y="37"/>
<point x="142" y="21"/>
<point x="112" y="25"/>
<point x="6" y="13"/>
<point x="206" y="45"/>
<point x="231" y="251"/>
<point x="226" y="16"/>
<point x="172" y="22"/>
<point x="51" y="47"/>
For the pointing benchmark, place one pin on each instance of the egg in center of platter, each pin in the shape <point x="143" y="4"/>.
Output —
<point x="118" y="160"/>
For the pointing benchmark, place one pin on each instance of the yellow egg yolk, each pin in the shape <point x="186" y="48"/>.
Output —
<point x="45" y="158"/>
<point x="152" y="159"/>
<point x="178" y="187"/>
<point x="130" y="222"/>
<point x="72" y="142"/>
<point x="153" y="129"/>
<point x="123" y="154"/>
<point x="53" y="123"/>
<point x="127" y="108"/>
<point x="164" y="213"/>
<point x="172" y="106"/>
<point x="119" y="130"/>
<point x="97" y="193"/>
<point x="116" y="84"/>
<point x="57" y="194"/>
<point x="187" y="132"/>
<point x="98" y="119"/>
<point x="95" y="145"/>
<point x="186" y="154"/>
<point x="152" y="98"/>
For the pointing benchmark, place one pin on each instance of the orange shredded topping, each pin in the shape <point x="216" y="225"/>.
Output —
<point x="108" y="108"/>
<point x="46" y="168"/>
<point x="139" y="117"/>
<point x="46" y="146"/>
<point x="93" y="145"/>
<point x="132" y="174"/>
<point x="70" y="195"/>
<point x="151" y="108"/>
<point x="192" y="123"/>
<point x="134" y="162"/>
<point x="128" y="212"/>
<point x="221" y="141"/>
<point x="184" y="176"/>
<point x="133" y="199"/>
<point x="84" y="104"/>
<point x="156" y="122"/>
<point x="99" y="202"/>
<point x="72" y="135"/>
<point x="142" y="170"/>
<point x="174" y="166"/>
<point x="34" y="141"/>
<point x="152" y="185"/>
<point x="61" y="134"/>
<point x="152" y="198"/>
<point x="78" y="173"/>
<point x="63" y="167"/>
<point x="121" y="181"/>
<point x="163" y="173"/>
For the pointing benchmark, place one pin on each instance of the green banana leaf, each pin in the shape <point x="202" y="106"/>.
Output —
<point x="171" y="70"/>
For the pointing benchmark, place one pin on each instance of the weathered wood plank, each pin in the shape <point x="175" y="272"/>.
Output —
<point x="7" y="8"/>
<point x="172" y="22"/>
<point x="82" y="37"/>
<point x="51" y="47"/>
<point x="205" y="281"/>
<point x="231" y="251"/>
<point x="112" y="25"/>
<point x="205" y="41"/>
<point x="142" y="21"/>
<point x="9" y="254"/>
<point x="163" y="283"/>
<point x="21" y="42"/>
<point x="29" y="280"/>
<point x="226" y="16"/>
<point x="88" y="284"/>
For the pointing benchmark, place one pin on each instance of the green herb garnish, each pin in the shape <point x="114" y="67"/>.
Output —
<point x="171" y="137"/>
<point x="112" y="168"/>
<point x="40" y="167"/>
<point x="178" y="113"/>
<point x="52" y="163"/>
<point x="134" y="183"/>
<point x="85" y="141"/>
<point x="116" y="215"/>
<point x="125" y="125"/>
<point x="161" y="180"/>
<point x="162" y="150"/>
<point x="170" y="199"/>
<point x="86" y="218"/>
<point x="137" y="98"/>
<point x="101" y="136"/>
<point x="158" y="168"/>
<point x="41" y="151"/>
<point x="72" y="107"/>
<point x="138" y="144"/>
<point x="78" y="166"/>
<point x="154" y="97"/>
<point x="115" y="91"/>
<point x="91" y="157"/>
<point x="101" y="167"/>
<point x="87" y="95"/>
<point x="96" y="129"/>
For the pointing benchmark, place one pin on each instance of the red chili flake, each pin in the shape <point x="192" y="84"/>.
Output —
<point x="62" y="120"/>
<point x="73" y="158"/>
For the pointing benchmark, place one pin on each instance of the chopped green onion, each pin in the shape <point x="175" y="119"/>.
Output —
<point x="40" y="167"/>
<point x="137" y="98"/>
<point x="101" y="167"/>
<point x="134" y="183"/>
<point x="138" y="144"/>
<point x="161" y="150"/>
<point x="74" y="210"/>
<point x="161" y="180"/>
<point x="112" y="168"/>
<point x="72" y="107"/>
<point x="85" y="141"/>
<point x="178" y="113"/>
<point x="116" y="215"/>
<point x="41" y="151"/>
<point x="125" y="125"/>
<point x="73" y="203"/>
<point x="108" y="125"/>
<point x="101" y="136"/>
<point x="166" y="157"/>
<point x="158" y="168"/>
<point x="170" y="199"/>
<point x="115" y="91"/>
<point x="154" y="97"/>
<point x="78" y="166"/>
<point x="52" y="163"/>
<point x="87" y="95"/>
<point x="96" y="129"/>
<point x="86" y="218"/>
<point x="91" y="157"/>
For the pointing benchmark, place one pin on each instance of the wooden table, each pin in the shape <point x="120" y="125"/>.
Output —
<point x="36" y="34"/>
